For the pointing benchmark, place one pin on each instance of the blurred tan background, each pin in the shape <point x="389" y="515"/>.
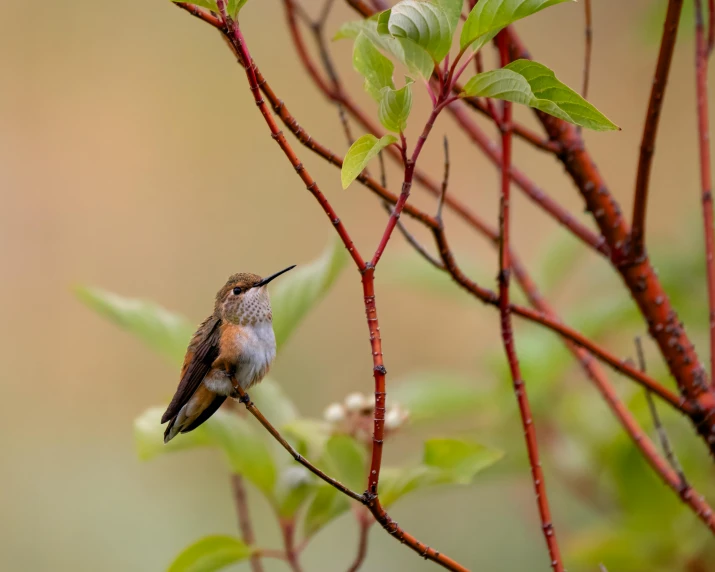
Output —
<point x="132" y="158"/>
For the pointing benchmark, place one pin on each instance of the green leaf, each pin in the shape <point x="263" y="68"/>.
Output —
<point x="163" y="331"/>
<point x="298" y="292"/>
<point x="234" y="7"/>
<point x="453" y="9"/>
<point x="395" y="106"/>
<point x="311" y="435"/>
<point x="273" y="402"/>
<point x="423" y="23"/>
<point x="149" y="436"/>
<point x="535" y="85"/>
<point x="345" y="460"/>
<point x="211" y="553"/>
<point x="396" y="483"/>
<point x="460" y="458"/>
<point x="446" y="461"/>
<point x="246" y="452"/>
<point x="360" y="154"/>
<point x="415" y="58"/>
<point x="373" y="66"/>
<point x="327" y="504"/>
<point x="436" y="395"/>
<point x="210" y="4"/>
<point x="489" y="16"/>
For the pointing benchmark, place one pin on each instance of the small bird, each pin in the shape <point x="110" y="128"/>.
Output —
<point x="235" y="344"/>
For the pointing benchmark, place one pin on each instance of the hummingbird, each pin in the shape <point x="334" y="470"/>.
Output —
<point x="235" y="344"/>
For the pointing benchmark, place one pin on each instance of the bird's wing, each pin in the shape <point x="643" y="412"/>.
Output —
<point x="202" y="351"/>
<point x="206" y="413"/>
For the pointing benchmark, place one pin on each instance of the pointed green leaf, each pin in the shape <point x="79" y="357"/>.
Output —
<point x="345" y="460"/>
<point x="211" y="553"/>
<point x="460" y="458"/>
<point x="234" y="7"/>
<point x="423" y="23"/>
<point x="162" y="330"/>
<point x="304" y="287"/>
<point x="395" y="106"/>
<point x="373" y="66"/>
<point x="438" y="395"/>
<point x="489" y="16"/>
<point x="327" y="505"/>
<point x="415" y="58"/>
<point x="360" y="154"/>
<point x="246" y="452"/>
<point x="533" y="84"/>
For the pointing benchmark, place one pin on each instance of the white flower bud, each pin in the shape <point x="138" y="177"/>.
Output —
<point x="294" y="476"/>
<point x="395" y="418"/>
<point x="334" y="413"/>
<point x="355" y="402"/>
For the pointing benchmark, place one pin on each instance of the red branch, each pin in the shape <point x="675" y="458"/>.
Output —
<point x="522" y="398"/>
<point x="650" y="128"/>
<point x="364" y="525"/>
<point x="701" y="70"/>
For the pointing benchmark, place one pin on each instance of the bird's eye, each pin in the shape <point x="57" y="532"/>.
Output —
<point x="237" y="291"/>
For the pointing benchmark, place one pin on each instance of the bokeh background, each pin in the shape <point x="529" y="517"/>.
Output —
<point x="132" y="158"/>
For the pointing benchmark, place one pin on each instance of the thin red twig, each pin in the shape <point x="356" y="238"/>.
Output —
<point x="406" y="186"/>
<point x="701" y="75"/>
<point x="668" y="450"/>
<point x="244" y="519"/>
<point x="588" y="46"/>
<point x="650" y="128"/>
<point x="292" y="555"/>
<point x="364" y="526"/>
<point x="522" y="398"/>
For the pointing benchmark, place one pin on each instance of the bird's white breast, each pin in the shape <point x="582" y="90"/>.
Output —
<point x="258" y="350"/>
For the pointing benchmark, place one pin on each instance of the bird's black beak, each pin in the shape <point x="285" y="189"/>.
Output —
<point x="272" y="276"/>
